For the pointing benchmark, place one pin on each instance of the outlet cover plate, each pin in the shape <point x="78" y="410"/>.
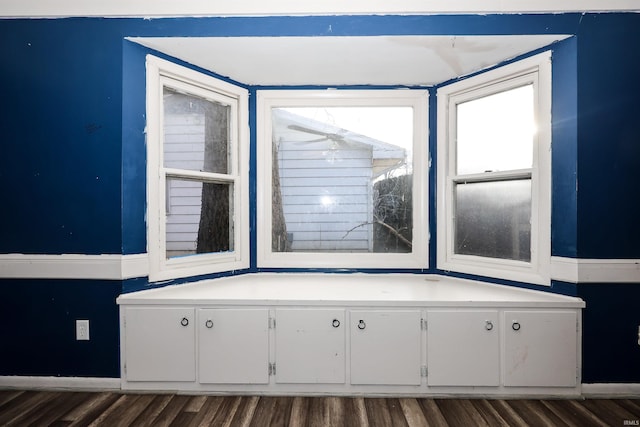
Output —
<point x="82" y="330"/>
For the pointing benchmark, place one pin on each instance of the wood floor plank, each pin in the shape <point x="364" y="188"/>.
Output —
<point x="609" y="411"/>
<point x="533" y="412"/>
<point x="299" y="411"/>
<point x="170" y="411"/>
<point x="208" y="411"/>
<point x="380" y="414"/>
<point x="263" y="412"/>
<point x="8" y="395"/>
<point x="476" y="417"/>
<point x="225" y="413"/>
<point x="573" y="413"/>
<point x="454" y="412"/>
<point x="489" y="413"/>
<point x="412" y="412"/>
<point x="147" y="417"/>
<point x="22" y="405"/>
<point x="244" y="412"/>
<point x="355" y="412"/>
<point x="319" y="412"/>
<point x="33" y="413"/>
<point x="432" y="413"/>
<point x="631" y="405"/>
<point x="195" y="403"/>
<point x="397" y="415"/>
<point x="183" y="418"/>
<point x="90" y="408"/>
<point x="123" y="411"/>
<point x="281" y="412"/>
<point x="56" y="409"/>
<point x="507" y="413"/>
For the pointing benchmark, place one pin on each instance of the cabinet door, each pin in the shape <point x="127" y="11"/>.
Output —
<point x="159" y="344"/>
<point x="385" y="347"/>
<point x="233" y="346"/>
<point x="540" y="348"/>
<point x="463" y="348"/>
<point x="310" y="346"/>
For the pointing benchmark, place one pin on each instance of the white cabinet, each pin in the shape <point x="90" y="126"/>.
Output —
<point x="540" y="348"/>
<point x="463" y="348"/>
<point x="310" y="345"/>
<point x="350" y="335"/>
<point x="233" y="346"/>
<point x="159" y="344"/>
<point x="385" y="347"/>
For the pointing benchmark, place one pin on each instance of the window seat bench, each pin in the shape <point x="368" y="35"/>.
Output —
<point x="350" y="334"/>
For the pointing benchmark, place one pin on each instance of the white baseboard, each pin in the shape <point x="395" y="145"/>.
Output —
<point x="60" y="383"/>
<point x="610" y="390"/>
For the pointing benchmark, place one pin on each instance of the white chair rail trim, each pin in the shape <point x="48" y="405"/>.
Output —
<point x="121" y="267"/>
<point x="74" y="266"/>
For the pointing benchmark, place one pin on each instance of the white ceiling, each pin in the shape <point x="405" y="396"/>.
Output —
<point x="368" y="60"/>
<point x="156" y="8"/>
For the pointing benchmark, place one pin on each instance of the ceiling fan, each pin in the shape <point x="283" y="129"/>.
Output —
<point x="325" y="135"/>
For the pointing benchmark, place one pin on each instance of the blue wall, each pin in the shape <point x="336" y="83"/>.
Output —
<point x="37" y="328"/>
<point x="73" y="171"/>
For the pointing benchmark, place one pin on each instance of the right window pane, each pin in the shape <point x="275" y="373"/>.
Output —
<point x="493" y="219"/>
<point x="495" y="133"/>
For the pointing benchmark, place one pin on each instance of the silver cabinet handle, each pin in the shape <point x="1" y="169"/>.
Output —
<point x="515" y="325"/>
<point x="488" y="325"/>
<point x="184" y="321"/>
<point x="209" y="323"/>
<point x="335" y="323"/>
<point x="361" y="325"/>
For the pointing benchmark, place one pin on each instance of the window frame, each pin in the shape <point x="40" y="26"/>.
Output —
<point x="418" y="99"/>
<point x="536" y="70"/>
<point x="161" y="73"/>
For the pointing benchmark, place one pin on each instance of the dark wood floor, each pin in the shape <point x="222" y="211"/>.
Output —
<point x="49" y="408"/>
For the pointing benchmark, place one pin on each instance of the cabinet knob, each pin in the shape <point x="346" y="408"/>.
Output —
<point x="515" y="325"/>
<point x="488" y="325"/>
<point x="335" y="323"/>
<point x="184" y="321"/>
<point x="361" y="324"/>
<point x="209" y="323"/>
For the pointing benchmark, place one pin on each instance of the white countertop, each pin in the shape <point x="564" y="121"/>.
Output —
<point x="324" y="289"/>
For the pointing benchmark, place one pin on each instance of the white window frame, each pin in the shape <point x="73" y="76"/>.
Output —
<point x="534" y="70"/>
<point x="418" y="100"/>
<point x="161" y="73"/>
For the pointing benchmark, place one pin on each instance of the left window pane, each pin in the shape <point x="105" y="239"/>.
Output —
<point x="197" y="173"/>
<point x="196" y="139"/>
<point x="196" y="133"/>
<point x="198" y="218"/>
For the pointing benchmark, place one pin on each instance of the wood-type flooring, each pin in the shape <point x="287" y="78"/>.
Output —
<point x="66" y="408"/>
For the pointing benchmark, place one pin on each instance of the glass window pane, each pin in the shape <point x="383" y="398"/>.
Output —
<point x="196" y="133"/>
<point x="493" y="219"/>
<point x="342" y="179"/>
<point x="495" y="133"/>
<point x="198" y="217"/>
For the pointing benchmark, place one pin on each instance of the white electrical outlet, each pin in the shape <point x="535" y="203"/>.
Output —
<point x="82" y="330"/>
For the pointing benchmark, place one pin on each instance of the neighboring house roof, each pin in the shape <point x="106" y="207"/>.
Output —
<point x="298" y="128"/>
